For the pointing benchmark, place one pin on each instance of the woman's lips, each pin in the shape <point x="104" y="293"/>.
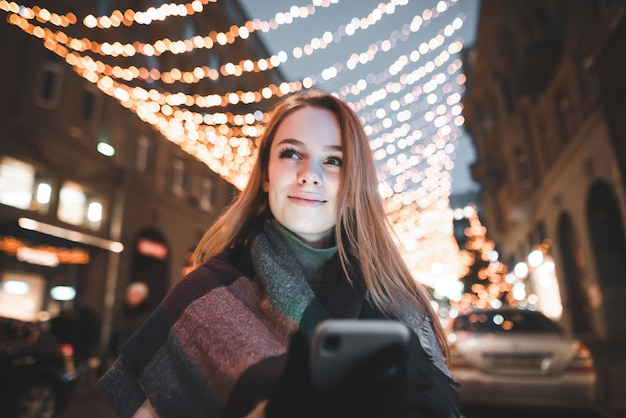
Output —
<point x="306" y="200"/>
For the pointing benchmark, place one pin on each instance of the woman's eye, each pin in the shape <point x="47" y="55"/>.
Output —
<point x="334" y="161"/>
<point x="289" y="153"/>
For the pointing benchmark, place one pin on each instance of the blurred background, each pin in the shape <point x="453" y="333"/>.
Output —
<point x="498" y="129"/>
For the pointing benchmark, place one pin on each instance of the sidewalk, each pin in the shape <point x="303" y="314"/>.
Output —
<point x="88" y="400"/>
<point x="90" y="403"/>
<point x="617" y="388"/>
<point x="610" y="361"/>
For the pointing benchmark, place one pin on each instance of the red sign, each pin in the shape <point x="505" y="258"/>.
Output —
<point x="151" y="248"/>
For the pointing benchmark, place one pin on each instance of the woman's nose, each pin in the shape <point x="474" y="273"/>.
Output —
<point x="309" y="175"/>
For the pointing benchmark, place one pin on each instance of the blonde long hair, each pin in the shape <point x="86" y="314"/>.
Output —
<point x="363" y="229"/>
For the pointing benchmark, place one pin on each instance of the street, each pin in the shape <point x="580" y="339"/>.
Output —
<point x="93" y="405"/>
<point x="90" y="403"/>
<point x="477" y="412"/>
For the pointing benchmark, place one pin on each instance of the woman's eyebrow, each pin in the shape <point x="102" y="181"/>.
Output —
<point x="334" y="147"/>
<point x="293" y="141"/>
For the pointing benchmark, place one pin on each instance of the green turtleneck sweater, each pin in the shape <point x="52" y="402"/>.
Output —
<point x="311" y="260"/>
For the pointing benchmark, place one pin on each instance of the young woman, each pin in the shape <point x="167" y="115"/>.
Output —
<point x="306" y="240"/>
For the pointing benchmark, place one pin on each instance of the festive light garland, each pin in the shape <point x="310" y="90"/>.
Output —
<point x="199" y="73"/>
<point x="492" y="284"/>
<point x="414" y="148"/>
<point x="247" y="98"/>
<point x="213" y="100"/>
<point x="168" y="103"/>
<point x="182" y="46"/>
<point x="128" y="18"/>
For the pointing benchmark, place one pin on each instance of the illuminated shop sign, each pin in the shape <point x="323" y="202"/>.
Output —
<point x="151" y="248"/>
<point x="43" y="255"/>
<point x="35" y="256"/>
<point x="63" y="293"/>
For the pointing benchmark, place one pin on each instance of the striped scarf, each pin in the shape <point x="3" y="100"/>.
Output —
<point x="216" y="344"/>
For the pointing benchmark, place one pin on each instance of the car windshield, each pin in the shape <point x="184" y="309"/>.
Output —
<point x="506" y="322"/>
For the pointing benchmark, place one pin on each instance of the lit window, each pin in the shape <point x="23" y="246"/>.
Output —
<point x="94" y="212"/>
<point x="63" y="293"/>
<point x="79" y="207"/>
<point x="44" y="191"/>
<point x="72" y="204"/>
<point x="16" y="183"/>
<point x="43" y="195"/>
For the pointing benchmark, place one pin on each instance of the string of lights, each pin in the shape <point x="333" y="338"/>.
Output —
<point x="175" y="99"/>
<point x="172" y="100"/>
<point x="411" y="110"/>
<point x="115" y="49"/>
<point x="199" y="73"/>
<point x="128" y="18"/>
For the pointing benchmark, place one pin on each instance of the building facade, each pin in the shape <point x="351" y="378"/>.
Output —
<point x="545" y="106"/>
<point x="85" y="232"/>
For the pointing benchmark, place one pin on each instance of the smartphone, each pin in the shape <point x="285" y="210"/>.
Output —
<point x="338" y="345"/>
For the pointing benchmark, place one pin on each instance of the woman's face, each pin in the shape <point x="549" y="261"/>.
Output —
<point x="304" y="174"/>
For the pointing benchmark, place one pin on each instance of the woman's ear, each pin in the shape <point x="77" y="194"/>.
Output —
<point x="266" y="185"/>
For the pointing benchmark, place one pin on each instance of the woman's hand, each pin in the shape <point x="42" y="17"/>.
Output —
<point x="368" y="392"/>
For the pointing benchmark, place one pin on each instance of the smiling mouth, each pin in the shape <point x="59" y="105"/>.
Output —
<point x="306" y="201"/>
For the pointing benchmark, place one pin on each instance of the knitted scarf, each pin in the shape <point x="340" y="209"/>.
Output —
<point x="217" y="342"/>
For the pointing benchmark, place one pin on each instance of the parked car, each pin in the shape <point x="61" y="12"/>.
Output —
<point x="519" y="358"/>
<point x="37" y="372"/>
